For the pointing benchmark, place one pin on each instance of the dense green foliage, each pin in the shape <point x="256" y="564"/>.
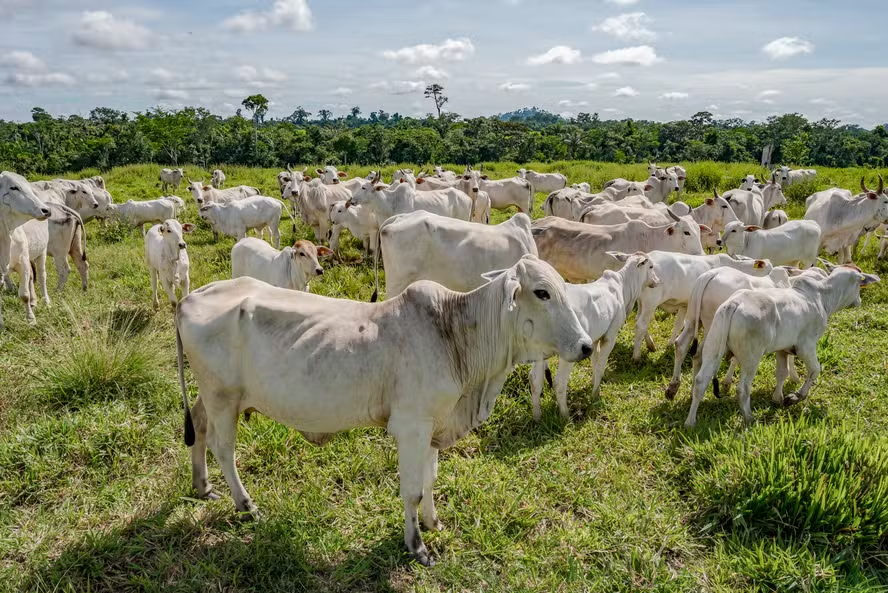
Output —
<point x="108" y="138"/>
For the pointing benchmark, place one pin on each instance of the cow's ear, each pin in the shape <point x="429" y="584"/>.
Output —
<point x="618" y="255"/>
<point x="187" y="227"/>
<point x="485" y="177"/>
<point x="380" y="187"/>
<point x="341" y="173"/>
<point x="648" y="187"/>
<point x="705" y="229"/>
<point x="420" y="180"/>
<point x="306" y="178"/>
<point x="752" y="229"/>
<point x="671" y="230"/>
<point x="872" y="195"/>
<point x="206" y="188"/>
<point x="324" y="251"/>
<point x="319" y="171"/>
<point x="512" y="290"/>
<point x="759" y="264"/>
<point x="868" y="279"/>
<point x="710" y="201"/>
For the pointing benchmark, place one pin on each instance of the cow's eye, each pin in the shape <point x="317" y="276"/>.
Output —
<point x="301" y="254"/>
<point x="687" y="234"/>
<point x="543" y="295"/>
<point x="14" y="188"/>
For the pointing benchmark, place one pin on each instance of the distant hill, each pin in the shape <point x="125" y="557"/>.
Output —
<point x="531" y="115"/>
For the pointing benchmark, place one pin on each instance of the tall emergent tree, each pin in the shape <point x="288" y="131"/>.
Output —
<point x="436" y="92"/>
<point x="258" y="106"/>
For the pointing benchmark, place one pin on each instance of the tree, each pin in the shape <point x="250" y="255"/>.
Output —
<point x="436" y="92"/>
<point x="258" y="106"/>
<point x="299" y="116"/>
<point x="325" y="115"/>
<point x="355" y="112"/>
<point x="795" y="149"/>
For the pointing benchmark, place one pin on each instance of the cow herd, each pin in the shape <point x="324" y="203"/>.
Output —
<point x="466" y="300"/>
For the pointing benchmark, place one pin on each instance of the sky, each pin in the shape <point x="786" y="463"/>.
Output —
<point x="662" y="60"/>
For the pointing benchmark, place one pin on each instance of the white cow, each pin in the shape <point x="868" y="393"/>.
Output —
<point x="785" y="321"/>
<point x="385" y="202"/>
<point x="218" y="179"/>
<point x="77" y="195"/>
<point x="65" y="240"/>
<point x="582" y="186"/>
<point x="325" y="365"/>
<point x="358" y="220"/>
<point x="169" y="178"/>
<point x="602" y="308"/>
<point x="426" y="183"/>
<point x="207" y="193"/>
<point x="471" y="186"/>
<point x="455" y="253"/>
<point x="569" y="203"/>
<point x="19" y="203"/>
<point x="504" y="192"/>
<point x="137" y="214"/>
<point x="445" y="175"/>
<point x="329" y="175"/>
<point x="544" y="182"/>
<point x="788" y="177"/>
<point x="313" y="200"/>
<point x="844" y="219"/>
<point x="795" y="243"/>
<point x="620" y="188"/>
<point x="236" y="218"/>
<point x="578" y="250"/>
<point x="751" y="207"/>
<point x="292" y="267"/>
<point x="20" y="263"/>
<point x="681" y="174"/>
<point x="167" y="259"/>
<point x="774" y="219"/>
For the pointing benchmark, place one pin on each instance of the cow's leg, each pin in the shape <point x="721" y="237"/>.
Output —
<point x="152" y="274"/>
<point x="62" y="270"/>
<point x="427" y="506"/>
<point x="200" y="476"/>
<point x="682" y="345"/>
<point x="562" y="378"/>
<point x="708" y="370"/>
<point x="276" y="236"/>
<point x="678" y="325"/>
<point x="184" y="283"/>
<point x="744" y="390"/>
<point x="414" y="437"/>
<point x="642" y="323"/>
<point x="782" y="374"/>
<point x="79" y="256"/>
<point x="537" y="374"/>
<point x="808" y="355"/>
<point x="26" y="290"/>
<point x="40" y="268"/>
<point x="793" y="371"/>
<point x="728" y="380"/>
<point x="170" y="289"/>
<point x="221" y="436"/>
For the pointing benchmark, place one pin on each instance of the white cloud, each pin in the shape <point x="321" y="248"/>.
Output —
<point x="39" y="80"/>
<point x="674" y="96"/>
<point x="626" y="91"/>
<point x="259" y="76"/>
<point x="162" y="75"/>
<point x="591" y="85"/>
<point x="567" y="103"/>
<point x="712" y="107"/>
<point x="611" y="110"/>
<point x="642" y="55"/>
<point x="629" y="26"/>
<point x="399" y="87"/>
<point x="609" y="76"/>
<point x="342" y="91"/>
<point x="623" y="2"/>
<point x="787" y="47"/>
<point x="560" y="54"/>
<point x="107" y="78"/>
<point x="431" y="73"/>
<point x="101" y="30"/>
<point x="22" y="60"/>
<point x="235" y="93"/>
<point x="822" y="101"/>
<point x="512" y="87"/>
<point x="768" y="96"/>
<point x="171" y="94"/>
<point x="291" y="14"/>
<point x="451" y="50"/>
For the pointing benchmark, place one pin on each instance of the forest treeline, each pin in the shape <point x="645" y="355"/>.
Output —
<point x="50" y="144"/>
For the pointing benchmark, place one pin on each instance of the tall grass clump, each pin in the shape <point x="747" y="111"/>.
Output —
<point x="800" y="192"/>
<point x="793" y="479"/>
<point x="705" y="177"/>
<point x="114" y="358"/>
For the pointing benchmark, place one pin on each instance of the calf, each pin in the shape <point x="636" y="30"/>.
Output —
<point x="207" y="193"/>
<point x="602" y="308"/>
<point x="785" y="321"/>
<point x="167" y="259"/>
<point x="137" y="214"/>
<point x="788" y="177"/>
<point x="543" y="182"/>
<point x="236" y="218"/>
<point x="171" y="177"/>
<point x="314" y="200"/>
<point x="795" y="243"/>
<point x="578" y="250"/>
<point x="455" y="253"/>
<point x="774" y="219"/>
<point x="218" y="179"/>
<point x="358" y="220"/>
<point x="292" y="267"/>
<point x="470" y="185"/>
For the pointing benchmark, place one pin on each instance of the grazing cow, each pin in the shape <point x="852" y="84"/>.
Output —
<point x="678" y="272"/>
<point x="207" y="193"/>
<point x="137" y="214"/>
<point x="358" y="220"/>
<point x="774" y="219"/>
<point x="711" y="214"/>
<point x="455" y="253"/>
<point x="471" y="186"/>
<point x="292" y="267"/>
<point x="544" y="182"/>
<point x="710" y="290"/>
<point x="578" y="250"/>
<point x="324" y="365"/>
<point x="167" y="259"/>
<point x="77" y="195"/>
<point x="795" y="243"/>
<point x="602" y="308"/>
<point x="504" y="192"/>
<point x="788" y="177"/>
<point x="582" y="186"/>
<point x="65" y="240"/>
<point x="752" y="206"/>
<point x="844" y="219"/>
<point x="236" y="218"/>
<point x="169" y="178"/>
<point x="785" y="321"/>
<point x="385" y="202"/>
<point x="103" y="199"/>
<point x="218" y="179"/>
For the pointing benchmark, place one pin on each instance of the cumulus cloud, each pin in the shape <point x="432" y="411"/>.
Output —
<point x="591" y="85"/>
<point x="161" y="75"/>
<point x="30" y="79"/>
<point x="22" y="60"/>
<point x="259" y="76"/>
<point x="513" y="87"/>
<point x="626" y="91"/>
<point x="107" y="77"/>
<point x="642" y="55"/>
<point x="560" y="54"/>
<point x="609" y="76"/>
<point x="450" y="50"/>
<point x="569" y="104"/>
<point x="623" y="2"/>
<point x="431" y="73"/>
<point x="171" y="95"/>
<point x="768" y="96"/>
<point x="290" y="14"/>
<point x="674" y="96"/>
<point x="787" y="47"/>
<point x="399" y="87"/>
<point x="102" y="30"/>
<point x="629" y="27"/>
<point x="342" y="91"/>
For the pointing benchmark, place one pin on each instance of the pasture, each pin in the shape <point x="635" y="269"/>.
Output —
<point x="95" y="481"/>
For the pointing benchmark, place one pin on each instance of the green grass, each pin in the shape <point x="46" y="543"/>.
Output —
<point x="95" y="481"/>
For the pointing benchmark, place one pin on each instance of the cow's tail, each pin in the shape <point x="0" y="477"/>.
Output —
<point x="375" y="296"/>
<point x="716" y="345"/>
<point x="79" y="226"/>
<point x="695" y="307"/>
<point x="189" y="424"/>
<point x="290" y="214"/>
<point x="547" y="205"/>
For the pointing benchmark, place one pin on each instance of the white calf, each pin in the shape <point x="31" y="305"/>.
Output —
<point x="292" y="267"/>
<point x="167" y="259"/>
<point x="795" y="243"/>
<point x="236" y="218"/>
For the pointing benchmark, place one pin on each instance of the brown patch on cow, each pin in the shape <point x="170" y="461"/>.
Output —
<point x="207" y="188"/>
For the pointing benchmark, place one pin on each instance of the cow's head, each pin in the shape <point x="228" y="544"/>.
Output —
<point x="638" y="265"/>
<point x="204" y="211"/>
<point x="544" y="323"/>
<point x="79" y="196"/>
<point x="17" y="198"/>
<point x="733" y="238"/>
<point x="686" y="234"/>
<point x="173" y="234"/>
<point x="304" y="255"/>
<point x="652" y="169"/>
<point x="329" y="175"/>
<point x="363" y="194"/>
<point x="749" y="183"/>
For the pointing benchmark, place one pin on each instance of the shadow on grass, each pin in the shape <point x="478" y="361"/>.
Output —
<point x="168" y="551"/>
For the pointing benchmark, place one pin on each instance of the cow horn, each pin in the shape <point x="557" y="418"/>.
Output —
<point x="715" y="193"/>
<point x="289" y="170"/>
<point x="673" y="215"/>
<point x="881" y="184"/>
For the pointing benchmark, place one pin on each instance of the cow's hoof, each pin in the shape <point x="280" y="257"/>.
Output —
<point x="671" y="390"/>
<point x="422" y="557"/>
<point x="791" y="400"/>
<point x="435" y="525"/>
<point x="250" y="515"/>
<point x="690" y="424"/>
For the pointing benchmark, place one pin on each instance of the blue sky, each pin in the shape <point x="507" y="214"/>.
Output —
<point x="661" y="60"/>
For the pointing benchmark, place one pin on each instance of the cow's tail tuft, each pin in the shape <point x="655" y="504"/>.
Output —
<point x="189" y="423"/>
